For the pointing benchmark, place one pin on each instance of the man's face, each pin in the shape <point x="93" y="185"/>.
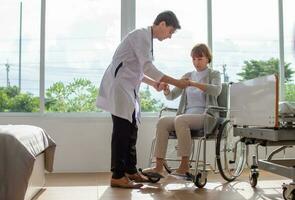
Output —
<point x="165" y="31"/>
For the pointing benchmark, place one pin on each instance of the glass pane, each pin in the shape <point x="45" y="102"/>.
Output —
<point x="81" y="36"/>
<point x="245" y="36"/>
<point x="172" y="57"/>
<point x="19" y="55"/>
<point x="289" y="39"/>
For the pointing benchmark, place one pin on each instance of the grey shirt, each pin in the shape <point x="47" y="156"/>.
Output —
<point x="213" y="89"/>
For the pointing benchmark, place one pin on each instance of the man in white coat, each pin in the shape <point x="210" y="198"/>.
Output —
<point x="118" y="93"/>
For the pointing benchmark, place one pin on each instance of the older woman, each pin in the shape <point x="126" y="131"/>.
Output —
<point x="203" y="90"/>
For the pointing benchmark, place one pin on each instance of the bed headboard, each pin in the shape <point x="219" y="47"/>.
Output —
<point x="255" y="102"/>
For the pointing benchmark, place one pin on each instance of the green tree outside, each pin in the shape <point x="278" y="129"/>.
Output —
<point x="11" y="100"/>
<point x="257" y="68"/>
<point x="4" y="100"/>
<point x="80" y="96"/>
<point x="290" y="92"/>
<point x="149" y="104"/>
<point x="77" y="96"/>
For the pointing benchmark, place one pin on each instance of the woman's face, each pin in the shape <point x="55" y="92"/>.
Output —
<point x="200" y="62"/>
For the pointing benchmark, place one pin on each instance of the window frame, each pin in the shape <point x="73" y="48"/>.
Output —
<point x="128" y="17"/>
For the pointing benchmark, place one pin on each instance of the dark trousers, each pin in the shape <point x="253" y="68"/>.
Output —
<point x="123" y="146"/>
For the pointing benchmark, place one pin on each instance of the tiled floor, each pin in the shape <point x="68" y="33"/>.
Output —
<point x="96" y="186"/>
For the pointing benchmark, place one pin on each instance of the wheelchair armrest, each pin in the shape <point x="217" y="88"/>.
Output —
<point x="217" y="108"/>
<point x="167" y="109"/>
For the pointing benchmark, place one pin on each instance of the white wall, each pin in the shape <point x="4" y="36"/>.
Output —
<point x="84" y="140"/>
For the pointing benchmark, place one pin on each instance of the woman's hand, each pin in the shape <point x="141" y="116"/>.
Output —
<point x="198" y="85"/>
<point x="166" y="89"/>
<point x="183" y="83"/>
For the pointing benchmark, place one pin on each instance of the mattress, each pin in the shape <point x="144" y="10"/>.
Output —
<point x="19" y="147"/>
<point x="286" y="108"/>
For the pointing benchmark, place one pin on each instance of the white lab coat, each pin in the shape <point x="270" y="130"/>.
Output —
<point x="119" y="88"/>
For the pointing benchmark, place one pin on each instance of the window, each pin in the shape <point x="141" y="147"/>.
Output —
<point x="81" y="36"/>
<point x="244" y="31"/>
<point x="289" y="40"/>
<point x="19" y="55"/>
<point x="172" y="57"/>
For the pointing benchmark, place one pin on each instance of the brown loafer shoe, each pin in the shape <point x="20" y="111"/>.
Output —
<point x="137" y="177"/>
<point x="124" y="182"/>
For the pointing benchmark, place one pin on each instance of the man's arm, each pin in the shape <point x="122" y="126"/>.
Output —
<point x="157" y="85"/>
<point x="149" y="81"/>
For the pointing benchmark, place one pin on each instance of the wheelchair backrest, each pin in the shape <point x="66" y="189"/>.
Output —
<point x="222" y="99"/>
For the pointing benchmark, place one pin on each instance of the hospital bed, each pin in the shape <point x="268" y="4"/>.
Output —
<point x="259" y="119"/>
<point x="25" y="153"/>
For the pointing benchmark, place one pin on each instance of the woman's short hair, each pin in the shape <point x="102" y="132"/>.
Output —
<point x="169" y="18"/>
<point x="200" y="50"/>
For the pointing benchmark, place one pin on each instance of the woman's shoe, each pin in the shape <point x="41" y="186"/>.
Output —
<point x="181" y="173"/>
<point x="153" y="170"/>
<point x="175" y="173"/>
<point x="125" y="182"/>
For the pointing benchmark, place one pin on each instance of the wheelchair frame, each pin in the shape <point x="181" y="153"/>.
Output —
<point x="228" y="168"/>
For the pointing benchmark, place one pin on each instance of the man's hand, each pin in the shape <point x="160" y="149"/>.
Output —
<point x="183" y="83"/>
<point x="159" y="86"/>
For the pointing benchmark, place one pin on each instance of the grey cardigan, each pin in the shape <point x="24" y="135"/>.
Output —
<point x="213" y="89"/>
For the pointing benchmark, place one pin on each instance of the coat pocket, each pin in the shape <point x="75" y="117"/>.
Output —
<point x="117" y="69"/>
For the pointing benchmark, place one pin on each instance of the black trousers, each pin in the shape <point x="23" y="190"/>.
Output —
<point x="124" y="139"/>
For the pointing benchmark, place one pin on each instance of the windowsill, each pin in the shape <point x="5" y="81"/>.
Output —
<point x="72" y="115"/>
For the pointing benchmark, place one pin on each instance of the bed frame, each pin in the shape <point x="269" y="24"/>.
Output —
<point x="254" y="108"/>
<point x="37" y="179"/>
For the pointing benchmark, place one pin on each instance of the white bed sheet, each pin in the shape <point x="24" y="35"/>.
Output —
<point x="286" y="107"/>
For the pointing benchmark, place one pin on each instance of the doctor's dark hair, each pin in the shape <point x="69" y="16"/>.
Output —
<point x="200" y="50"/>
<point x="169" y="18"/>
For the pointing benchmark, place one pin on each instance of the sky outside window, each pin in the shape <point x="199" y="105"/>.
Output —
<point x="81" y="37"/>
<point x="244" y="30"/>
<point x="9" y="45"/>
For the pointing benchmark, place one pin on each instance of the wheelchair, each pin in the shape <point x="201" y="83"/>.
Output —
<point x="230" y="151"/>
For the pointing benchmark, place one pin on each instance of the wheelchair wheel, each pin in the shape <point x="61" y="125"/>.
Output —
<point x="230" y="152"/>
<point x="200" y="181"/>
<point x="288" y="196"/>
<point x="253" y="179"/>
